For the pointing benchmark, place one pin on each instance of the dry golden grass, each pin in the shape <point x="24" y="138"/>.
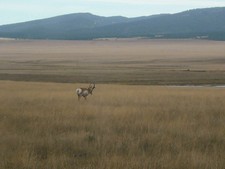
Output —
<point x="42" y="125"/>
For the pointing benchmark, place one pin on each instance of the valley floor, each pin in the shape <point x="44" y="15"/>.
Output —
<point x="123" y="61"/>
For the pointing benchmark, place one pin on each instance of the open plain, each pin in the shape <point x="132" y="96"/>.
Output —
<point x="127" y="61"/>
<point x="126" y="123"/>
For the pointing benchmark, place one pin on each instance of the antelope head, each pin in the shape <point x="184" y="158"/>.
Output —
<point x="91" y="88"/>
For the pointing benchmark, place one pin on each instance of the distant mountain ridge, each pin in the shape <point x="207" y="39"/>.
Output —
<point x="207" y="23"/>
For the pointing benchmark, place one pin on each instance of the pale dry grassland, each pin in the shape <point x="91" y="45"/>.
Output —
<point x="43" y="126"/>
<point x="136" y="61"/>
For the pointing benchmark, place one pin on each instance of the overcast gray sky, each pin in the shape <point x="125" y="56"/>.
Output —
<point x="13" y="11"/>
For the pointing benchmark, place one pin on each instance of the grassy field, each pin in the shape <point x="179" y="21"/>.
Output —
<point x="135" y="61"/>
<point x="43" y="125"/>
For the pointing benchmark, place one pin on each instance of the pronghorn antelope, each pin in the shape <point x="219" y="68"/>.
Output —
<point x="85" y="91"/>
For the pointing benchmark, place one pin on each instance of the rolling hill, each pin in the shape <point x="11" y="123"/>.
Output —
<point x="205" y="23"/>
